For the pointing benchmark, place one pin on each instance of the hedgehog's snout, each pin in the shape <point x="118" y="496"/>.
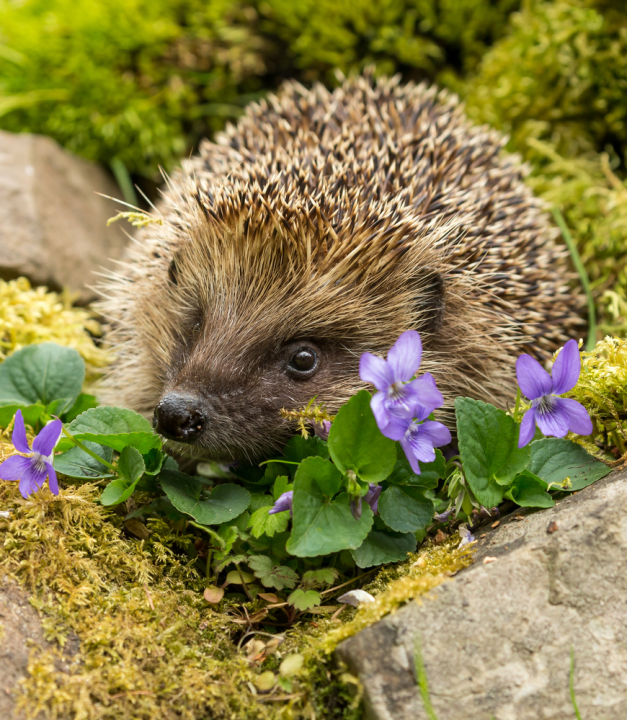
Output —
<point x="180" y="417"/>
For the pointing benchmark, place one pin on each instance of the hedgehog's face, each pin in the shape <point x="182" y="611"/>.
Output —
<point x="240" y="351"/>
<point x="256" y="325"/>
<point x="227" y="405"/>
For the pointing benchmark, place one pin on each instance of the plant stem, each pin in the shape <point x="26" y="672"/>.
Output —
<point x="421" y="680"/>
<point x="85" y="449"/>
<point x="241" y="577"/>
<point x="572" y="682"/>
<point x="583" y="275"/>
<point x="283" y="462"/>
<point x="517" y="406"/>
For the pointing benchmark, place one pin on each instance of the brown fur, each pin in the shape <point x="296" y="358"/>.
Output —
<point x="342" y="218"/>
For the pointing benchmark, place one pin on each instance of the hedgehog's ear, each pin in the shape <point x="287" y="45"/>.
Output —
<point x="430" y="302"/>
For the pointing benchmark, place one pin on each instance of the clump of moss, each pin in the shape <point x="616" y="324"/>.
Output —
<point x="557" y="85"/>
<point x="30" y="316"/>
<point x="602" y="389"/>
<point x="137" y="82"/>
<point x="150" y="645"/>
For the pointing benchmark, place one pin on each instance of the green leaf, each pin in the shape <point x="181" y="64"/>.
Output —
<point x="325" y="474"/>
<point x="405" y="509"/>
<point x="153" y="460"/>
<point x="382" y="546"/>
<point x="555" y="459"/>
<point x="31" y="414"/>
<point x="299" y="448"/>
<point x="131" y="465"/>
<point x="264" y="524"/>
<point x="224" y="503"/>
<point x="117" y="491"/>
<point x="271" y="575"/>
<point x="281" y="485"/>
<point x="488" y="444"/>
<point x="83" y="402"/>
<point x="355" y="442"/>
<point x="116" y="428"/>
<point x="430" y="473"/>
<point x="78" y="464"/>
<point x="41" y="374"/>
<point x="320" y="525"/>
<point x="323" y="576"/>
<point x="528" y="490"/>
<point x="304" y="599"/>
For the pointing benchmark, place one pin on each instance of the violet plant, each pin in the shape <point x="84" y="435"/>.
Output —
<point x="362" y="489"/>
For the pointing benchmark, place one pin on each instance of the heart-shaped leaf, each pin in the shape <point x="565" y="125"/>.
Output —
<point x="356" y="443"/>
<point x="528" y="490"/>
<point x="224" y="503"/>
<point x="78" y="464"/>
<point x="382" y="547"/>
<point x="555" y="459"/>
<point x="322" y="525"/>
<point x="116" y="428"/>
<point x="488" y="445"/>
<point x="42" y="374"/>
<point x="405" y="509"/>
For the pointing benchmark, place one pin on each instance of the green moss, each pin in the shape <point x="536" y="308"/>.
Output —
<point x="557" y="84"/>
<point x="602" y="389"/>
<point x="138" y="82"/>
<point x="35" y="315"/>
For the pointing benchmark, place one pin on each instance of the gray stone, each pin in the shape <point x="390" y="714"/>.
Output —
<point x="497" y="639"/>
<point x="53" y="225"/>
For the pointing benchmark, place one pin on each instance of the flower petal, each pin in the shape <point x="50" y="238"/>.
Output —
<point x="437" y="433"/>
<point x="47" y="439"/>
<point x="375" y="370"/>
<point x="379" y="410"/>
<point x="527" y="428"/>
<point x="14" y="468"/>
<point x="405" y="356"/>
<point x="409" y="453"/>
<point x="396" y="428"/>
<point x="566" y="368"/>
<point x="372" y="496"/>
<point x="52" y="479"/>
<point x="553" y="421"/>
<point x="284" y="502"/>
<point x="579" y="420"/>
<point x="421" y="445"/>
<point x="33" y="479"/>
<point x="425" y="396"/>
<point x="19" y="434"/>
<point x="533" y="379"/>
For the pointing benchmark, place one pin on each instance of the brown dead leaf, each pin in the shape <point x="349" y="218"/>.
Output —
<point x="269" y="597"/>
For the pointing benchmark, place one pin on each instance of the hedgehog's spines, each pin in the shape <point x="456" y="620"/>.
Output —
<point x="322" y="212"/>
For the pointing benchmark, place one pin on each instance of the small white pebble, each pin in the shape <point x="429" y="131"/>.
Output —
<point x="5" y="513"/>
<point x="488" y="559"/>
<point x="356" y="598"/>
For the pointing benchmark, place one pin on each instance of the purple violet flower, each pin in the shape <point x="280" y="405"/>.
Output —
<point x="466" y="536"/>
<point x="419" y="437"/>
<point x="444" y="516"/>
<point x="33" y="471"/>
<point x="284" y="502"/>
<point x="371" y="497"/>
<point x="397" y="397"/>
<point x="554" y="415"/>
<point x="322" y="429"/>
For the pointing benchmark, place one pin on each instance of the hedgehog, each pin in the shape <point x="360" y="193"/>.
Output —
<point x="320" y="226"/>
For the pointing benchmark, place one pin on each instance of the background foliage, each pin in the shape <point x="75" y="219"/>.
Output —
<point x="136" y="84"/>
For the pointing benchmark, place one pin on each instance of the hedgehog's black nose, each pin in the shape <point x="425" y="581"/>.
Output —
<point x="179" y="417"/>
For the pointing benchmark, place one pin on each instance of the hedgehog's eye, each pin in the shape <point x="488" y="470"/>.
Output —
<point x="303" y="363"/>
